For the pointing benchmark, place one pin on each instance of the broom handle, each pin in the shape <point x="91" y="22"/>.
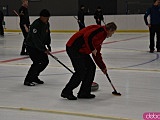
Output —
<point x="111" y="82"/>
<point x="61" y="63"/>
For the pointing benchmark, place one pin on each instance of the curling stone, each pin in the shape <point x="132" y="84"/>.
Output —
<point x="94" y="86"/>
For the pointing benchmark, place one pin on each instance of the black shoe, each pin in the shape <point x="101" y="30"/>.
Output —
<point x="158" y="50"/>
<point x="151" y="51"/>
<point x="24" y="53"/>
<point x="87" y="96"/>
<point x="2" y="36"/>
<point x="29" y="84"/>
<point x="68" y="96"/>
<point x="39" y="81"/>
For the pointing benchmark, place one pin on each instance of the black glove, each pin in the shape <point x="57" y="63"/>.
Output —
<point x="49" y="47"/>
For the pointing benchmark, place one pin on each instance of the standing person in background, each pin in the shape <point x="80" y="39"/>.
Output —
<point x="38" y="46"/>
<point x="1" y="24"/>
<point x="98" y="15"/>
<point x="24" y="24"/>
<point x="154" y="25"/>
<point x="81" y="13"/>
<point x="79" y="47"/>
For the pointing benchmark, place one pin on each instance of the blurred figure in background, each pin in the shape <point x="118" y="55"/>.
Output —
<point x="81" y="13"/>
<point x="154" y="24"/>
<point x="98" y="15"/>
<point x="1" y="24"/>
<point x="24" y="24"/>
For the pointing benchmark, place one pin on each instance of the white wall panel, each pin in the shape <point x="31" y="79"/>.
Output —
<point x="69" y="23"/>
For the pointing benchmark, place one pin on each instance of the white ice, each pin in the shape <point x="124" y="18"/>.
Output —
<point x="134" y="72"/>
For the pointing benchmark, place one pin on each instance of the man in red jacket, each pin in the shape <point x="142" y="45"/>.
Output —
<point x="79" y="46"/>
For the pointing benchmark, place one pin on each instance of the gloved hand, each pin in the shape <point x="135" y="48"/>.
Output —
<point x="49" y="47"/>
<point x="104" y="70"/>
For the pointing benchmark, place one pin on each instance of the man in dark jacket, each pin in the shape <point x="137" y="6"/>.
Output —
<point x="81" y="13"/>
<point x="154" y="25"/>
<point x="80" y="45"/>
<point x="98" y="15"/>
<point x="24" y="23"/>
<point x="1" y="24"/>
<point x="37" y="40"/>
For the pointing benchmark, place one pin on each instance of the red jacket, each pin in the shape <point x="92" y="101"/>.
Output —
<point x="93" y="37"/>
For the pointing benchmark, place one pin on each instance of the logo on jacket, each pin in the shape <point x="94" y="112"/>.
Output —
<point x="34" y="30"/>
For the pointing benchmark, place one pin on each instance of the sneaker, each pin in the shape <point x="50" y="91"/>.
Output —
<point x="87" y="96"/>
<point x="68" y="96"/>
<point x="29" y="84"/>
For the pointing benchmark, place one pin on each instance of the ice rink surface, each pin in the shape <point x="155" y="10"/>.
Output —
<point x="134" y="72"/>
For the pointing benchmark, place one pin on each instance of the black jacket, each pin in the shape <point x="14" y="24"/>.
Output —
<point x="24" y="16"/>
<point x="81" y="15"/>
<point x="39" y="35"/>
<point x="1" y="16"/>
<point x="154" y="13"/>
<point x="98" y="15"/>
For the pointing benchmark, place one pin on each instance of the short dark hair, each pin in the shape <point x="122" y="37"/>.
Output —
<point x="111" y="26"/>
<point x="45" y="13"/>
<point x="98" y="7"/>
<point x="154" y="1"/>
<point x="24" y="0"/>
<point x="82" y="6"/>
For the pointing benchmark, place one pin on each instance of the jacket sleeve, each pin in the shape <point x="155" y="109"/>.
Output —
<point x="148" y="12"/>
<point x="98" y="59"/>
<point x="102" y="18"/>
<point x="48" y="39"/>
<point x="48" y="36"/>
<point x="2" y="16"/>
<point x="95" y="15"/>
<point x="80" y="15"/>
<point x="22" y="16"/>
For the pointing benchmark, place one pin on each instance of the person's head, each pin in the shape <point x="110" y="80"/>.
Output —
<point x="156" y="2"/>
<point x="82" y="7"/>
<point x="99" y="8"/>
<point x="44" y="15"/>
<point x="25" y="3"/>
<point x="111" y="28"/>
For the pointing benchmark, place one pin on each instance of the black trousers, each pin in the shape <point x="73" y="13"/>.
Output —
<point x="98" y="22"/>
<point x="81" y="25"/>
<point x="154" y="29"/>
<point x="84" y="72"/>
<point x="1" y="29"/>
<point x="23" y="50"/>
<point x="40" y="62"/>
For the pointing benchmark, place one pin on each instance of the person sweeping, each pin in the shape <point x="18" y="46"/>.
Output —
<point x="79" y="47"/>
